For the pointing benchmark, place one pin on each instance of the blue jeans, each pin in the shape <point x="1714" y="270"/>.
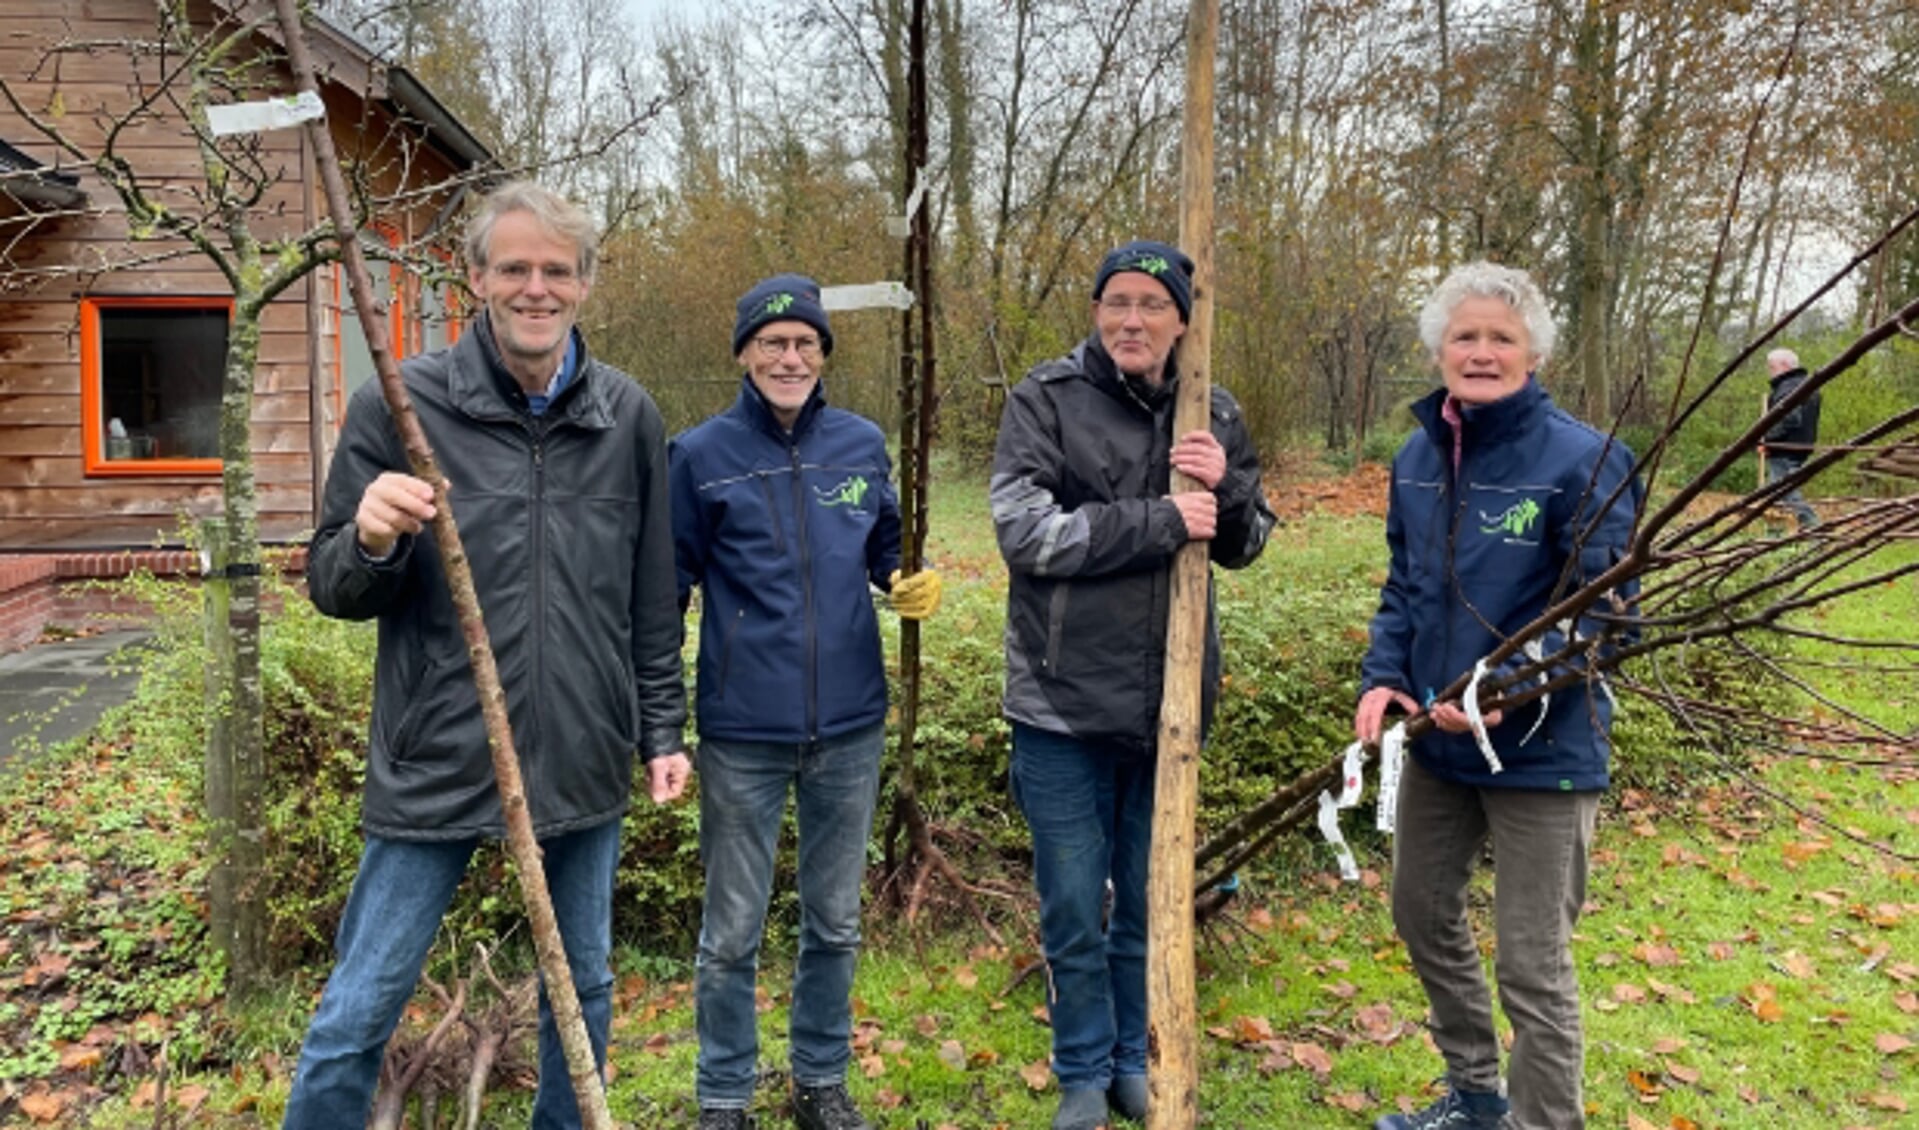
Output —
<point x="1090" y="806"/>
<point x="743" y="788"/>
<point x="392" y="916"/>
<point x="1778" y="467"/>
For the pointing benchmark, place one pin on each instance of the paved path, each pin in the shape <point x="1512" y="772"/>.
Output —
<point x="52" y="692"/>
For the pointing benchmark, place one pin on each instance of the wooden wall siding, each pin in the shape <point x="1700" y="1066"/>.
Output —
<point x="46" y="497"/>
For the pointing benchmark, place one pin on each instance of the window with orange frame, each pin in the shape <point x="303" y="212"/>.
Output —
<point x="151" y="370"/>
<point x="421" y="317"/>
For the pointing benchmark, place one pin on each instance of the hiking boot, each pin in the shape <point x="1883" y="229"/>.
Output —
<point x="827" y="1108"/>
<point x="1127" y="1097"/>
<point x="723" y="1118"/>
<point x="1455" y="1110"/>
<point x="1081" y="1108"/>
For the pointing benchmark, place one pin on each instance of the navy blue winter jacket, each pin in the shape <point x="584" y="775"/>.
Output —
<point x="1476" y="556"/>
<point x="783" y="532"/>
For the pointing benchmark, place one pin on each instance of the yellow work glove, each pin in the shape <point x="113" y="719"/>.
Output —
<point x="916" y="597"/>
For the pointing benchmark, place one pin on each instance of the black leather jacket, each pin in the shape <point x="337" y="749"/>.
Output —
<point x="565" y="522"/>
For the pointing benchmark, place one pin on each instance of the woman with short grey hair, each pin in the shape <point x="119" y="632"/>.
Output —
<point x="1496" y="497"/>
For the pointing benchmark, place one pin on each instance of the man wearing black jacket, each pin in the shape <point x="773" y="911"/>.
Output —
<point x="1088" y="529"/>
<point x="557" y="467"/>
<point x="1789" y="443"/>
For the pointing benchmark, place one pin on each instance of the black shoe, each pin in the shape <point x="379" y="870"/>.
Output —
<point x="1455" y="1110"/>
<point x="1128" y="1096"/>
<point x="1082" y="1108"/>
<point x="723" y="1118"/>
<point x="827" y="1108"/>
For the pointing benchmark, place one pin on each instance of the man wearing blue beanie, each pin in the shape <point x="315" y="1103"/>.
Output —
<point x="784" y="514"/>
<point x="1088" y="528"/>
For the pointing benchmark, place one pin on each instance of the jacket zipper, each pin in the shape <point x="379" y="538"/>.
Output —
<point x="538" y="562"/>
<point x="1448" y="576"/>
<point x="811" y="685"/>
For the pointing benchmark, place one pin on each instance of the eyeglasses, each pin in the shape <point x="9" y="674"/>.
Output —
<point x="519" y="274"/>
<point x="774" y="348"/>
<point x="1121" y="307"/>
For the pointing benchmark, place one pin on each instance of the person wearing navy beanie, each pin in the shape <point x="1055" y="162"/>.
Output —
<point x="1088" y="526"/>
<point x="781" y="298"/>
<point x="785" y="518"/>
<point x="1162" y="262"/>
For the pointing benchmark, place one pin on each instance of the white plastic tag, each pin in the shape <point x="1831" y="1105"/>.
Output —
<point x="899" y="227"/>
<point x="1329" y="827"/>
<point x="1353" y="780"/>
<point x="1470" y="700"/>
<point x="1392" y="758"/>
<point x="863" y="296"/>
<point x="274" y="113"/>
<point x="1536" y="651"/>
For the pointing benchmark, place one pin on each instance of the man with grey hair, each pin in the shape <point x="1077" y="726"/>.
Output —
<point x="557" y="464"/>
<point x="1789" y="442"/>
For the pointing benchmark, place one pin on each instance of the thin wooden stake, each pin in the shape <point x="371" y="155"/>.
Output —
<point x="1172" y="1012"/>
<point x="521" y="845"/>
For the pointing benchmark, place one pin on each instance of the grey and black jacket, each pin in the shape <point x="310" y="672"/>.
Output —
<point x="565" y="523"/>
<point x="1080" y="478"/>
<point x="1794" y="436"/>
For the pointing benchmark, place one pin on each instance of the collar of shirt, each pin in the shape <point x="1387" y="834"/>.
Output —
<point x="536" y="402"/>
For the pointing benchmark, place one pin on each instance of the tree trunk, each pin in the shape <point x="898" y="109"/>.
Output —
<point x="241" y="746"/>
<point x="1173" y="1016"/>
<point x="1596" y="110"/>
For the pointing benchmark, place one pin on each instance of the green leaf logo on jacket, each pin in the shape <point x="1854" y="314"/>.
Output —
<point x="1517" y="521"/>
<point x="850" y="491"/>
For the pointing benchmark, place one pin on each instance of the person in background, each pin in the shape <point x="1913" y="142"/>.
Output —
<point x="783" y="516"/>
<point x="1088" y="529"/>
<point x="557" y="464"/>
<point x="1495" y="496"/>
<point x="1789" y="443"/>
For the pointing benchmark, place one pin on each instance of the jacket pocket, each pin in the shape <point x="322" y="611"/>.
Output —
<point x="420" y="696"/>
<point x="1055" y="625"/>
<point x="772" y="515"/>
<point x="726" y="653"/>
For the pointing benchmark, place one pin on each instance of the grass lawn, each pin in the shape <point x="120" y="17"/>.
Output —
<point x="1742" y="966"/>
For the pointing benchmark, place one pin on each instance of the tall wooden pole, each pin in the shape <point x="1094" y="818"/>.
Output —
<point x="558" y="978"/>
<point x="1172" y="1014"/>
<point x="916" y="411"/>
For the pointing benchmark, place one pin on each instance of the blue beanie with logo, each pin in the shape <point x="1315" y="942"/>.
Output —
<point x="778" y="299"/>
<point x="1167" y="265"/>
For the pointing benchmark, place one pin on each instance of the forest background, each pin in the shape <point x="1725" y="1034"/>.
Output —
<point x="1364" y="147"/>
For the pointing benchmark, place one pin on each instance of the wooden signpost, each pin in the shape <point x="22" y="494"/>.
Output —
<point x="1172" y="1015"/>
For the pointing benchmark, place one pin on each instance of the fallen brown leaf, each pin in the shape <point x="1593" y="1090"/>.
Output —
<point x="1313" y="1058"/>
<point x="44" y="1106"/>
<point x="1252" y="1029"/>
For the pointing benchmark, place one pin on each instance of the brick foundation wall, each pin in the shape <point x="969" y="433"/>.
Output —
<point x="63" y="591"/>
<point x="26" y="599"/>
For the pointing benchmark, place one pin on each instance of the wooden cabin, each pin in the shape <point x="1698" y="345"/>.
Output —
<point x="111" y="347"/>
